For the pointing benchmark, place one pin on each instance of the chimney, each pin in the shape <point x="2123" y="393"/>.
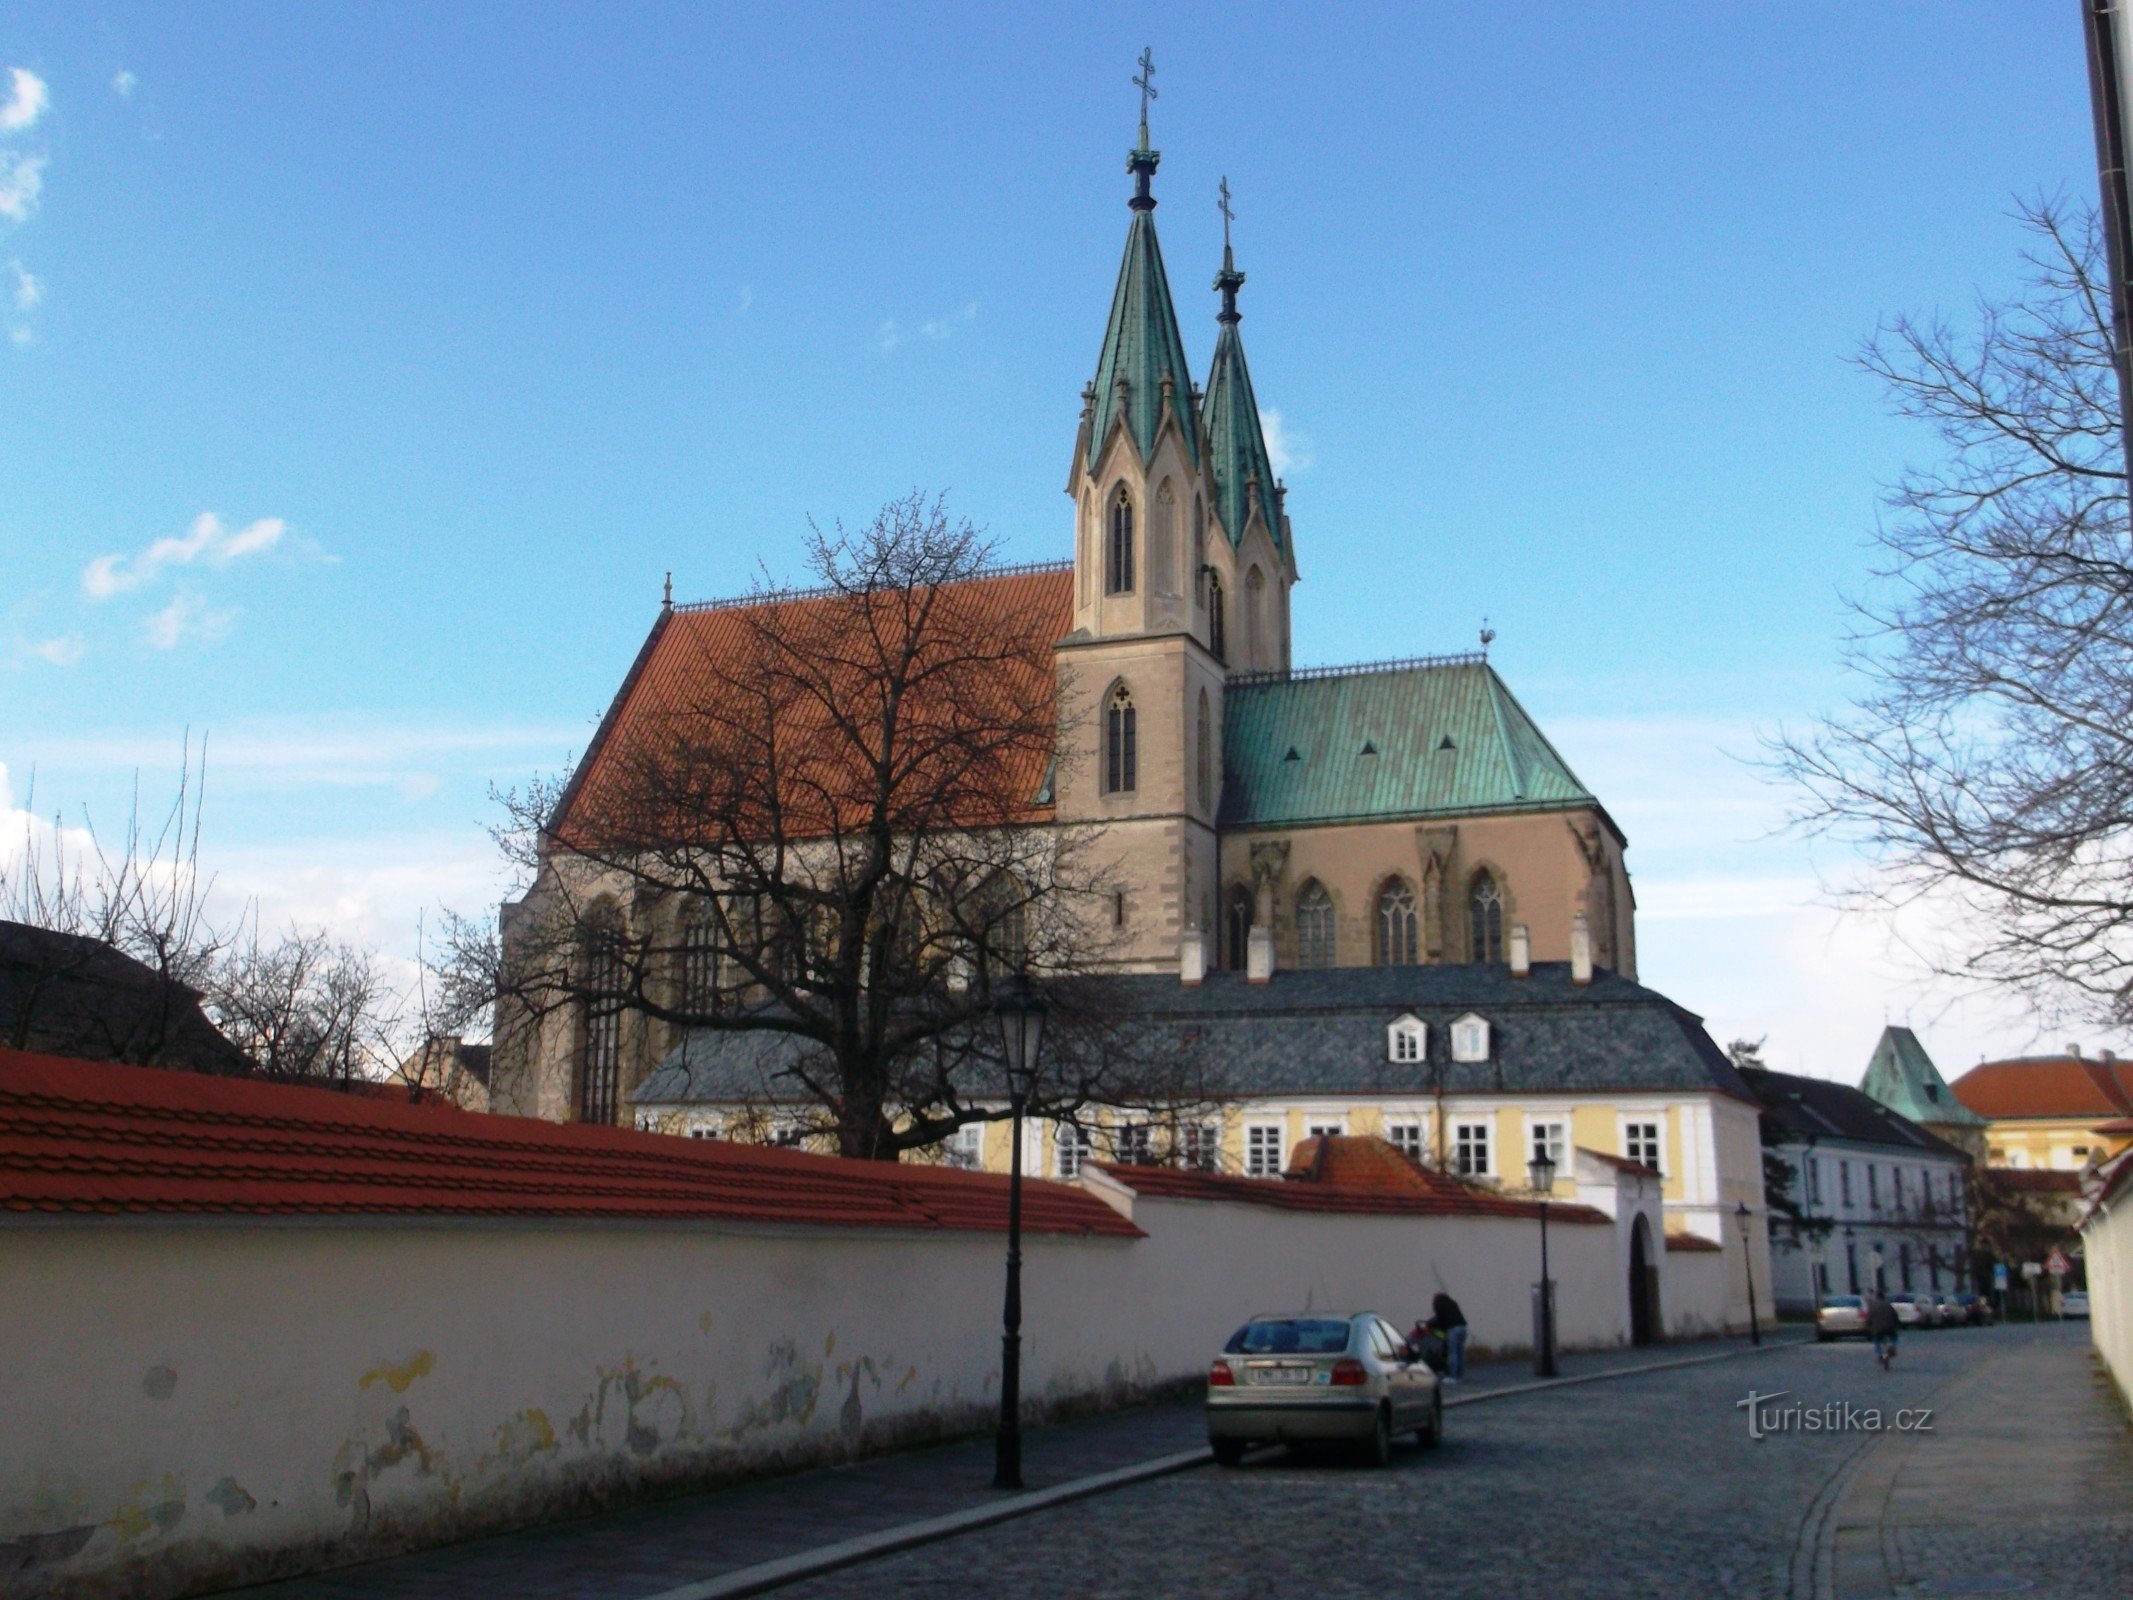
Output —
<point x="1192" y="958"/>
<point x="1521" y="950"/>
<point x="1580" y="949"/>
<point x="1259" y="955"/>
<point x="2074" y="1050"/>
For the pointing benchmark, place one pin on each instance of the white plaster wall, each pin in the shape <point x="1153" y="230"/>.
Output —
<point x="1698" y="1290"/>
<point x="2107" y="1251"/>
<point x="198" y="1404"/>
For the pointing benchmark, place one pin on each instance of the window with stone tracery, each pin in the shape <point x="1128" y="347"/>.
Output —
<point x="1485" y="912"/>
<point x="1121" y="744"/>
<point x="1118" y="563"/>
<point x="1397" y="929"/>
<point x="1314" y="927"/>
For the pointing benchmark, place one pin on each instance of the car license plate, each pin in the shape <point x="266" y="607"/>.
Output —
<point x="1281" y="1375"/>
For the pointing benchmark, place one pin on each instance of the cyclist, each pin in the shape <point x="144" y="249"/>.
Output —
<point x="1881" y="1325"/>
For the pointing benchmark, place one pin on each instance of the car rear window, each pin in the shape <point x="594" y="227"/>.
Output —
<point x="1286" y="1335"/>
<point x="1841" y="1302"/>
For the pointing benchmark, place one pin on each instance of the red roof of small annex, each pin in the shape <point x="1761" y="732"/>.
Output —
<point x="81" y="1138"/>
<point x="691" y="645"/>
<point x="1694" y="1243"/>
<point x="1346" y="1173"/>
<point x="2047" y="1086"/>
<point x="2036" y="1180"/>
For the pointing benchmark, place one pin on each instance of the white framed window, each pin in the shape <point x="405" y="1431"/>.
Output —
<point x="1873" y="1187"/>
<point x="1548" y="1136"/>
<point x="1641" y="1142"/>
<point x="706" y="1128"/>
<point x="1472" y="1155"/>
<point x="1844" y="1186"/>
<point x="1470" y="1038"/>
<point x="1811" y="1171"/>
<point x="965" y="1147"/>
<point x="1325" y="1127"/>
<point x="1262" y="1150"/>
<point x="1405" y="1137"/>
<point x="1406" y="1040"/>
<point x="1133" y="1144"/>
<point x="1200" y="1146"/>
<point x="1896" y="1186"/>
<point x="1070" y="1149"/>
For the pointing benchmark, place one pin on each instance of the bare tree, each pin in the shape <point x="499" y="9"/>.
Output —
<point x="306" y="1007"/>
<point x="1987" y="759"/>
<point x="829" y="834"/>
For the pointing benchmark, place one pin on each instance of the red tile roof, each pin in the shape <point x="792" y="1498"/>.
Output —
<point x="695" y="655"/>
<point x="2035" y="1180"/>
<point x="87" y="1138"/>
<point x="2047" y="1086"/>
<point x="1694" y="1243"/>
<point x="1347" y="1174"/>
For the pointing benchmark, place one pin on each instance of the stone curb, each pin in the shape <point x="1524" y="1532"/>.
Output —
<point x="765" y="1576"/>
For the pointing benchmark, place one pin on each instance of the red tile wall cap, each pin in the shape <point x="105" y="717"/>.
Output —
<point x="92" y="1139"/>
<point x="1620" y="1163"/>
<point x="1694" y="1243"/>
<point x="2037" y="1180"/>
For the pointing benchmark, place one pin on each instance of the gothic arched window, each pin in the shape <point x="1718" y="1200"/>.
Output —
<point x="1255" y="618"/>
<point x="1121" y="744"/>
<point x="1397" y="942"/>
<point x="699" y="961"/>
<point x="1217" y="627"/>
<point x="1162" y="541"/>
<point x="600" y="1069"/>
<point x="1199" y="538"/>
<point x="1118" y="565"/>
<point x="1204" y="754"/>
<point x="1484" y="903"/>
<point x="1237" y="928"/>
<point x="1314" y="927"/>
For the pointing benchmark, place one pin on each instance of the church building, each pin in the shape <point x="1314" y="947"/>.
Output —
<point x="1377" y="890"/>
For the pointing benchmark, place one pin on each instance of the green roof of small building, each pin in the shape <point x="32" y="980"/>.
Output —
<point x="1902" y="1077"/>
<point x="1401" y="739"/>
<point x="1142" y="347"/>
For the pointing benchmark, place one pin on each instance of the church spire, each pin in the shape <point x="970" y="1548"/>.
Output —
<point x="1141" y="374"/>
<point x="1243" y="471"/>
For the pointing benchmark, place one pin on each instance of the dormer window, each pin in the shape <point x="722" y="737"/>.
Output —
<point x="1470" y="1038"/>
<point x="1407" y="1040"/>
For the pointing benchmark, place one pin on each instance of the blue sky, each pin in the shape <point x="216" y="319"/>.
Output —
<point x="465" y="324"/>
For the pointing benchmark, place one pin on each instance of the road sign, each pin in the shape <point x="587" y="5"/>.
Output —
<point x="1999" y="1275"/>
<point x="2055" y="1263"/>
<point x="2032" y="1269"/>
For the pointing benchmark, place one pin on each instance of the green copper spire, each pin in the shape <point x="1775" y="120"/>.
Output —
<point x="1902" y="1077"/>
<point x="1243" y="472"/>
<point x="1142" y="372"/>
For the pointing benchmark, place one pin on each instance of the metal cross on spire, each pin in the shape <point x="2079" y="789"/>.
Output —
<point x="1145" y="82"/>
<point x="1228" y="216"/>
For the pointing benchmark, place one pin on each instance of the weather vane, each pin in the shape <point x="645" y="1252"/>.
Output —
<point x="1488" y="636"/>
<point x="1228" y="216"/>
<point x="1145" y="82"/>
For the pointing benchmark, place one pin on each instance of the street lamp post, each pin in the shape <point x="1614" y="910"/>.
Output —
<point x="1741" y="1215"/>
<point x="1021" y="1013"/>
<point x="1540" y="1172"/>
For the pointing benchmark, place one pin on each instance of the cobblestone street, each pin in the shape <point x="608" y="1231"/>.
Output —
<point x="1644" y="1486"/>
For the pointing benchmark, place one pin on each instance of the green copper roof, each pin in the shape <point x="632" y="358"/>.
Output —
<point x="1236" y="444"/>
<point x="1902" y="1077"/>
<point x="1142" y="346"/>
<point x="1404" y="739"/>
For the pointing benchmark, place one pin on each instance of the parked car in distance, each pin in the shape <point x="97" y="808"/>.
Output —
<point x="1975" y="1309"/>
<point x="1910" y="1313"/>
<point x="1314" y="1376"/>
<point x="2074" y="1303"/>
<point x="1842" y="1316"/>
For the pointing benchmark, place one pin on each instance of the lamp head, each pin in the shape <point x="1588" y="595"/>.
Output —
<point x="1020" y="1010"/>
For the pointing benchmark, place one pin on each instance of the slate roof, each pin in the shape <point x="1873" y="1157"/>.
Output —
<point x="1142" y="347"/>
<point x="67" y="995"/>
<point x="1400" y="739"/>
<point x="1903" y="1077"/>
<point x="2048" y="1086"/>
<point x="1801" y="1110"/>
<point x="1323" y="1034"/>
<point x="81" y="1138"/>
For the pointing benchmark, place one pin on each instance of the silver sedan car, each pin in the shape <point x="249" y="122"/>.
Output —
<point x="1311" y="1376"/>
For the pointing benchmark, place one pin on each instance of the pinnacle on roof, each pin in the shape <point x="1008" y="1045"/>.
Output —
<point x="1903" y="1077"/>
<point x="1243" y="471"/>
<point x="1142" y="374"/>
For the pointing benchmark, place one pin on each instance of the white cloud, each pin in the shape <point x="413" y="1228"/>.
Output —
<point x="889" y="336"/>
<point x="63" y="651"/>
<point x="942" y="327"/>
<point x="21" y="182"/>
<point x="1289" y="452"/>
<point x="206" y="543"/>
<point x="26" y="102"/>
<point x="22" y="335"/>
<point x="187" y="620"/>
<point x="123" y="83"/>
<point x="28" y="289"/>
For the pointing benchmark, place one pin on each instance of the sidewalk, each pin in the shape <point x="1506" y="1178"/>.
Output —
<point x="628" y="1555"/>
<point x="2024" y="1485"/>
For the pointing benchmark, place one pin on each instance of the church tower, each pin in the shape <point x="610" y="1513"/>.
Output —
<point x="1141" y="671"/>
